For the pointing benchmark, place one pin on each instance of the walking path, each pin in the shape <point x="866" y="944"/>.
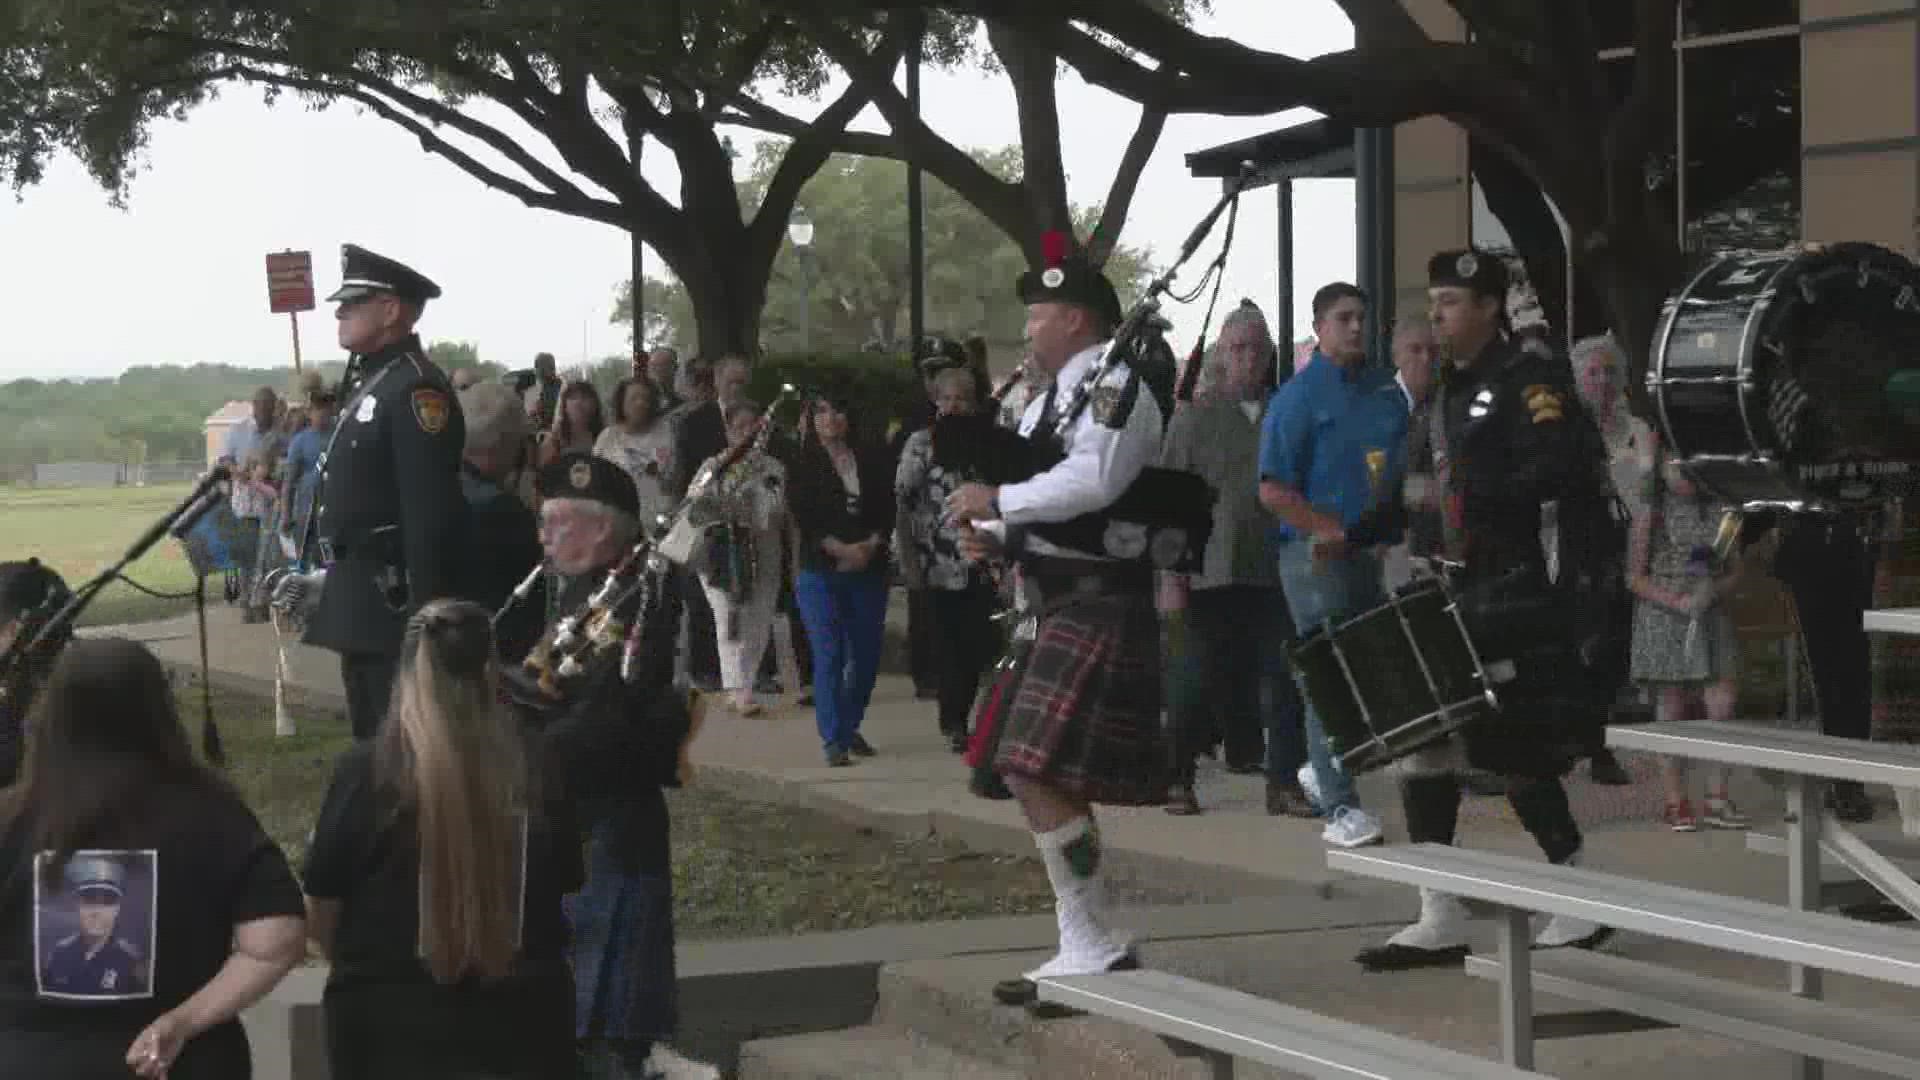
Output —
<point x="916" y="783"/>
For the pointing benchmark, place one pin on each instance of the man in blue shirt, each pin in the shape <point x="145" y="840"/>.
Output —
<point x="1331" y="453"/>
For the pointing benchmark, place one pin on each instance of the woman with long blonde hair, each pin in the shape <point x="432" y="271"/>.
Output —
<point x="435" y="875"/>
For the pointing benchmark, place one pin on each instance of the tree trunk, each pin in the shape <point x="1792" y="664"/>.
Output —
<point x="1528" y="218"/>
<point x="726" y="308"/>
<point x="1634" y="280"/>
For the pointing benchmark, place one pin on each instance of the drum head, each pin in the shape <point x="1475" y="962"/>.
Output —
<point x="1775" y="375"/>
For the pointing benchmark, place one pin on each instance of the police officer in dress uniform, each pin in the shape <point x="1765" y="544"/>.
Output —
<point x="1084" y="723"/>
<point x="391" y="519"/>
<point x="94" y="962"/>
<point x="1507" y="437"/>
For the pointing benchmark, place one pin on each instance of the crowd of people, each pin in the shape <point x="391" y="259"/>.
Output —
<point x="489" y="874"/>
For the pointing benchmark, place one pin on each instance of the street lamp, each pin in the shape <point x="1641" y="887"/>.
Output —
<point x="800" y="231"/>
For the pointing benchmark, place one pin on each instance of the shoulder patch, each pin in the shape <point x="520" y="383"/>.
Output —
<point x="430" y="409"/>
<point x="1544" y="403"/>
<point x="1112" y="402"/>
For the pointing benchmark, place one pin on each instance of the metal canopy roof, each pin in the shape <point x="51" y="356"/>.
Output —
<point x="1312" y="149"/>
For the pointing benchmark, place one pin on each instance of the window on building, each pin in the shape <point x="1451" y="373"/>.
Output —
<point x="1705" y="18"/>
<point x="1741" y="112"/>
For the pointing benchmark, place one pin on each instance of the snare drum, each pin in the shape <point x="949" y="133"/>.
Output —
<point x="1395" y="679"/>
<point x="1770" y="375"/>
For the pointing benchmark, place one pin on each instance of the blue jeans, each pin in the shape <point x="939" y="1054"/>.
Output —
<point x="846" y="618"/>
<point x="1316" y="592"/>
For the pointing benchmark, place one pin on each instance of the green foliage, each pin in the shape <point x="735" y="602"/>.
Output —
<point x="882" y="385"/>
<point x="454" y="355"/>
<point x="853" y="279"/>
<point x="146" y="414"/>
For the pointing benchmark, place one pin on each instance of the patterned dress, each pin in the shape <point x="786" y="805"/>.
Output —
<point x="1670" y="647"/>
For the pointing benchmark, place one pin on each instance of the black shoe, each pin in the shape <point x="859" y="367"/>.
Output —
<point x="989" y="786"/>
<point x="1024" y="992"/>
<point x="860" y="746"/>
<point x="1409" y="957"/>
<point x="957" y="741"/>
<point x="838" y="759"/>
<point x="1848" y="801"/>
<point x="1606" y="769"/>
<point x="1288" y="800"/>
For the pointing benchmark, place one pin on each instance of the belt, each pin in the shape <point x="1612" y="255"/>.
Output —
<point x="1057" y="577"/>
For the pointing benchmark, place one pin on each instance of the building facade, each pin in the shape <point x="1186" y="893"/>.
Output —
<point x="1793" y="120"/>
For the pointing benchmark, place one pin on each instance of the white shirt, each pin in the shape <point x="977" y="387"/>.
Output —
<point x="1101" y="462"/>
<point x="1400" y="381"/>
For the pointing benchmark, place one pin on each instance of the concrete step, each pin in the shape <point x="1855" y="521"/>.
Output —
<point x="950" y="1002"/>
<point x="862" y="1053"/>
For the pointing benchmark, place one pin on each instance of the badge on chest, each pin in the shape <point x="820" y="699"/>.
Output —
<point x="365" y="413"/>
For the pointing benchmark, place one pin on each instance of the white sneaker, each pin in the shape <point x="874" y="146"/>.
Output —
<point x="1351" y="827"/>
<point x="1310" y="783"/>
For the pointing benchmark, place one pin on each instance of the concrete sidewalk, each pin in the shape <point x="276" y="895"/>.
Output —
<point x="916" y="784"/>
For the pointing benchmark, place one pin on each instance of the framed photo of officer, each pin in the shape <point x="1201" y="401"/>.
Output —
<point x="94" y="925"/>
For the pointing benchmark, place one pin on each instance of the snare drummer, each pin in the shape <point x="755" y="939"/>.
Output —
<point x="1505" y="441"/>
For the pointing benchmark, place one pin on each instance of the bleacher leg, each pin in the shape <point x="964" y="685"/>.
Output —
<point x="1803" y="890"/>
<point x="1219" y="1065"/>
<point x="1515" y="929"/>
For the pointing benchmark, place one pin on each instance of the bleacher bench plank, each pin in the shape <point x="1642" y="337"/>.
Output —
<point x="1807" y="753"/>
<point x="1874" y="1041"/>
<point x="1818" y="940"/>
<point x="1255" y="1029"/>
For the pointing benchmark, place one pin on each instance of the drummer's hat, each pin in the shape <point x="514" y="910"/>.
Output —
<point x="1068" y="278"/>
<point x="1481" y="272"/>
<point x="364" y="274"/>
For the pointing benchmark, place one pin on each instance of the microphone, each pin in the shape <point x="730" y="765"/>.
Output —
<point x="201" y="508"/>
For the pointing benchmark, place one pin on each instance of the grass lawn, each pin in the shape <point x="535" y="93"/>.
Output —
<point x="741" y="868"/>
<point x="82" y="531"/>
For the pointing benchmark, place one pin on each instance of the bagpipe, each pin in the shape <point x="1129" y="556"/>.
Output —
<point x="609" y="626"/>
<point x="47" y="628"/>
<point x="1165" y="516"/>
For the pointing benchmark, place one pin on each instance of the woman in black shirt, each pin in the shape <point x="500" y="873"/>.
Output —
<point x="435" y="876"/>
<point x="141" y="904"/>
<point x="842" y="503"/>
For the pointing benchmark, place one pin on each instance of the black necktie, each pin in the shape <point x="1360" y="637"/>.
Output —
<point x="1044" y="429"/>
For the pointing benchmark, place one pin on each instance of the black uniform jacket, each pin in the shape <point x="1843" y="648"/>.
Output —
<point x="391" y="510"/>
<point x="504" y="546"/>
<point x="616" y="742"/>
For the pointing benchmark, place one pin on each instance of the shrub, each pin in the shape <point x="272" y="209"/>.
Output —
<point x="883" y="386"/>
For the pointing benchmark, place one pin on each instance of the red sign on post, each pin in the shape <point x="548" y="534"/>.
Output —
<point x="290" y="282"/>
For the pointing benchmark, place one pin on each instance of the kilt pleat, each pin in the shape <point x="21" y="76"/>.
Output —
<point x="1084" y="717"/>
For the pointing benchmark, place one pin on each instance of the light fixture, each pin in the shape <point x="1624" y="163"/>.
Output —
<point x="800" y="229"/>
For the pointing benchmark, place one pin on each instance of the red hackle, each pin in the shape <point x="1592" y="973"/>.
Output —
<point x="1053" y="247"/>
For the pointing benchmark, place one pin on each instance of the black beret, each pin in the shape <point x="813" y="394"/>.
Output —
<point x="364" y="274"/>
<point x="937" y="353"/>
<point x="1483" y="272"/>
<point x="27" y="585"/>
<point x="579" y="475"/>
<point x="1069" y="279"/>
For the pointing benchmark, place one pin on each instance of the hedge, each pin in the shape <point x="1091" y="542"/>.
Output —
<point x="883" y="386"/>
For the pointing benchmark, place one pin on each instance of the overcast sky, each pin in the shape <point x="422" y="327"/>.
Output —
<point x="179" y="278"/>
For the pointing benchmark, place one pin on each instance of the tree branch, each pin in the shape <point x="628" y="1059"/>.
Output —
<point x="1630" y="137"/>
<point x="1382" y="22"/>
<point x="807" y="153"/>
<point x="1126" y="180"/>
<point x="738" y="67"/>
<point x="569" y="201"/>
<point x="1034" y="71"/>
<point x="758" y="116"/>
<point x="999" y="200"/>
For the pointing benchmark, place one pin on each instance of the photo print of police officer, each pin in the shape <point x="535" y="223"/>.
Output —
<point x="93" y="925"/>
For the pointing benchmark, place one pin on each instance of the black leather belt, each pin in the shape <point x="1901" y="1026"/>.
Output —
<point x="1057" y="577"/>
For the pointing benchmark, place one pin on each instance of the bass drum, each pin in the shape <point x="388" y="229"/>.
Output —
<point x="1775" y="376"/>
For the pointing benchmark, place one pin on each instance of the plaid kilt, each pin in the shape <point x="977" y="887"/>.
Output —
<point x="1084" y="717"/>
<point x="622" y="946"/>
